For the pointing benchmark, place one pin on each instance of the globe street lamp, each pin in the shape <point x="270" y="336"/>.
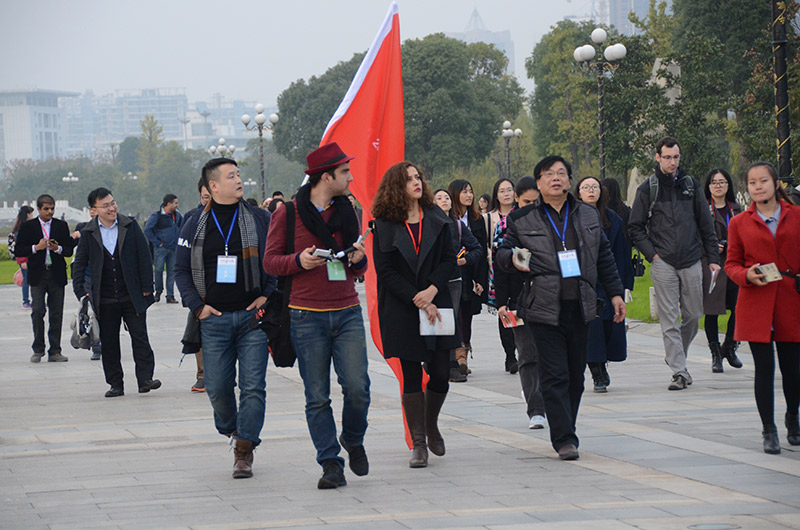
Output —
<point x="248" y="184"/>
<point x="261" y="125"/>
<point x="607" y="61"/>
<point x="69" y="179"/>
<point x="507" y="134"/>
<point x="221" y="150"/>
<point x="130" y="176"/>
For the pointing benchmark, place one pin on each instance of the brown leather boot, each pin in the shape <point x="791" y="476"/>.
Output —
<point x="242" y="458"/>
<point x="414" y="408"/>
<point x="461" y="359"/>
<point x="433" y="404"/>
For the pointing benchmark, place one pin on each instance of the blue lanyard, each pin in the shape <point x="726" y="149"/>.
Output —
<point x="230" y="230"/>
<point x="561" y="236"/>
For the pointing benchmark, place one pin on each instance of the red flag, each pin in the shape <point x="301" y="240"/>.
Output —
<point x="369" y="125"/>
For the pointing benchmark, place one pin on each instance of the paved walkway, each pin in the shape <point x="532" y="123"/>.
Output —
<point x="650" y="459"/>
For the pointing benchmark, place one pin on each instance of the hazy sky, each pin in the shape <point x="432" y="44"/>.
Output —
<point x="243" y="49"/>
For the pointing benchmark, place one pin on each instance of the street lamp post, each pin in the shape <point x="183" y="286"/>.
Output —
<point x="69" y="179"/>
<point x="221" y="149"/>
<point x="248" y="184"/>
<point x="606" y="61"/>
<point x="507" y="134"/>
<point x="261" y="125"/>
<point x="779" y="17"/>
<point x="184" y="121"/>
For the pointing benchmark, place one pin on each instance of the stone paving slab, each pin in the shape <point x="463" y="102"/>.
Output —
<point x="650" y="459"/>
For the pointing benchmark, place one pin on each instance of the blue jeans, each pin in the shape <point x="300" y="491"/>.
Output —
<point x="25" y="289"/>
<point x="164" y="256"/>
<point x="319" y="337"/>
<point x="226" y="340"/>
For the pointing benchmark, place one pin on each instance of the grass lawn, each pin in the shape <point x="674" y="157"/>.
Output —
<point x="639" y="309"/>
<point x="8" y="268"/>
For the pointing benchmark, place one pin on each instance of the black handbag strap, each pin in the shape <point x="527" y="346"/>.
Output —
<point x="287" y="280"/>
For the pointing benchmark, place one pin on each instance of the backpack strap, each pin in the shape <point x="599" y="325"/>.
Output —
<point x="653" y="180"/>
<point x="287" y="280"/>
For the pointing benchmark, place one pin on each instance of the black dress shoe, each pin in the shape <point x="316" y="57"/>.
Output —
<point x="115" y="392"/>
<point x="149" y="385"/>
<point x="332" y="476"/>
<point x="359" y="464"/>
<point x="171" y="300"/>
<point x="158" y="297"/>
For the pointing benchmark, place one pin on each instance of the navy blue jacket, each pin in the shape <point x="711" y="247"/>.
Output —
<point x="183" y="259"/>
<point x="162" y="230"/>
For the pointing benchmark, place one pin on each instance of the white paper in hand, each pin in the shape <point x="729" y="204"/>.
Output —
<point x="445" y="327"/>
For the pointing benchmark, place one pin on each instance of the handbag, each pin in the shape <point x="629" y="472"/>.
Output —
<point x="273" y="316"/>
<point x="18" y="278"/>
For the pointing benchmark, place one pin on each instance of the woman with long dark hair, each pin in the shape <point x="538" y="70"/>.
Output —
<point x="502" y="203"/>
<point x="475" y="278"/>
<point x="607" y="341"/>
<point x="722" y="204"/>
<point x="765" y="235"/>
<point x="414" y="262"/>
<point x="25" y="213"/>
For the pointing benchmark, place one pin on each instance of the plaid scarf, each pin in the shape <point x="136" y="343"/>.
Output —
<point x="251" y="264"/>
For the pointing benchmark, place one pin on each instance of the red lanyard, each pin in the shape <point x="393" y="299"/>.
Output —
<point x="44" y="229"/>
<point x="410" y="233"/>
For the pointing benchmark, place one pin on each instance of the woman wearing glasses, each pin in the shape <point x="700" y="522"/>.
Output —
<point x="716" y="301"/>
<point x="607" y="341"/>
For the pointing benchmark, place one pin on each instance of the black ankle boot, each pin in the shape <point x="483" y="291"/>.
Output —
<point x="793" y="428"/>
<point x="772" y="445"/>
<point x="729" y="348"/>
<point x="598" y="378"/>
<point x="716" y="357"/>
<point x="512" y="366"/>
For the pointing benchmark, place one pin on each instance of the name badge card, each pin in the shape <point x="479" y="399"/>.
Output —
<point x="226" y="269"/>
<point x="568" y="260"/>
<point x="336" y="271"/>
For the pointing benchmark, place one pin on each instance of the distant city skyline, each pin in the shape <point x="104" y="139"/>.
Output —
<point x="246" y="49"/>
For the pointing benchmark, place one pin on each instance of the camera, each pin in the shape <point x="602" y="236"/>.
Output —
<point x="638" y="265"/>
<point x="322" y="253"/>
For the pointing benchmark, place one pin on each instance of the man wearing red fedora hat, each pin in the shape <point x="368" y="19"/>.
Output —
<point x="326" y="322"/>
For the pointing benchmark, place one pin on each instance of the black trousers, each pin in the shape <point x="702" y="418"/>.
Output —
<point x="53" y="306"/>
<point x="109" y="318"/>
<point x="562" y="362"/>
<point x="789" y="362"/>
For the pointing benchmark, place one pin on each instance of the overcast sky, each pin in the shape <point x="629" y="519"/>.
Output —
<point x="243" y="49"/>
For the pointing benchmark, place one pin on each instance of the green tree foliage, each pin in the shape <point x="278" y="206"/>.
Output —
<point x="127" y="158"/>
<point x="149" y="144"/>
<point x="456" y="97"/>
<point x="306" y="108"/>
<point x="282" y="174"/>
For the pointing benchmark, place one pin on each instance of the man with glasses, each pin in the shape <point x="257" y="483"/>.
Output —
<point x="46" y="242"/>
<point x="671" y="225"/>
<point x="113" y="252"/>
<point x="559" y="245"/>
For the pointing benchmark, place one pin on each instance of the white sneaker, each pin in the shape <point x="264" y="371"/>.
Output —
<point x="537" y="422"/>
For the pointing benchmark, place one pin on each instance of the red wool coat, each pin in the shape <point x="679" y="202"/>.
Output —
<point x="777" y="304"/>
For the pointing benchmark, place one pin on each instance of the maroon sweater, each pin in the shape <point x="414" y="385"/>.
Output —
<point x="311" y="289"/>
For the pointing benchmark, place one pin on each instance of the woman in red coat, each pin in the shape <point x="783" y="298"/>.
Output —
<point x="768" y="312"/>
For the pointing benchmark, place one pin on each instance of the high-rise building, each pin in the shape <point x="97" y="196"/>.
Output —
<point x="618" y="11"/>
<point x="476" y="31"/>
<point x="30" y="124"/>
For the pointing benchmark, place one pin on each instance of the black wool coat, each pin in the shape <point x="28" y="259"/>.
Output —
<point x="30" y="233"/>
<point x="134" y="254"/>
<point x="402" y="274"/>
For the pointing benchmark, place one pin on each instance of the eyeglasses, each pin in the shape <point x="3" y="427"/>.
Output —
<point x="669" y="158"/>
<point x="719" y="183"/>
<point x="109" y="206"/>
<point x="586" y="187"/>
<point x="551" y="174"/>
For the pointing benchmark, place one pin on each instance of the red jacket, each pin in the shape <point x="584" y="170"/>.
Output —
<point x="776" y="305"/>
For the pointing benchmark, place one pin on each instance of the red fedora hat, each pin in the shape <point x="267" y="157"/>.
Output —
<point x="326" y="157"/>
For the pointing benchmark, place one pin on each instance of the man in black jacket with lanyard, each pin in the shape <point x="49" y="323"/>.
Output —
<point x="46" y="242"/>
<point x="113" y="253"/>
<point x="568" y="254"/>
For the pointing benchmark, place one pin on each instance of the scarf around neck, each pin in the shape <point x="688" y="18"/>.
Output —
<point x="251" y="264"/>
<point x="342" y="219"/>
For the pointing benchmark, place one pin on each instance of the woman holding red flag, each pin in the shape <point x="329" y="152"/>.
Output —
<point x="414" y="261"/>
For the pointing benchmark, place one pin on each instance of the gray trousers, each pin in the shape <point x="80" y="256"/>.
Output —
<point x="679" y="300"/>
<point x="528" y="357"/>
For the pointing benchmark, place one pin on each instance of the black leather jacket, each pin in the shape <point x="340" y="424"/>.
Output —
<point x="540" y="300"/>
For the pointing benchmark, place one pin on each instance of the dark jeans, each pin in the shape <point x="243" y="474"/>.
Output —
<point x="109" y="318"/>
<point x="54" y="306"/>
<point x="789" y="361"/>
<point x="25" y="287"/>
<point x="161" y="257"/>
<point x="562" y="361"/>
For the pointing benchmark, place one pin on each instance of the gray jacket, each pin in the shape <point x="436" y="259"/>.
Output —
<point x="540" y="298"/>
<point x="680" y="227"/>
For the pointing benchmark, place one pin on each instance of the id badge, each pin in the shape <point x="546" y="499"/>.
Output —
<point x="568" y="260"/>
<point x="336" y="271"/>
<point x="226" y="269"/>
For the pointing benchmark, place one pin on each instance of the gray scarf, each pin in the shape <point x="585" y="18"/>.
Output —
<point x="251" y="264"/>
